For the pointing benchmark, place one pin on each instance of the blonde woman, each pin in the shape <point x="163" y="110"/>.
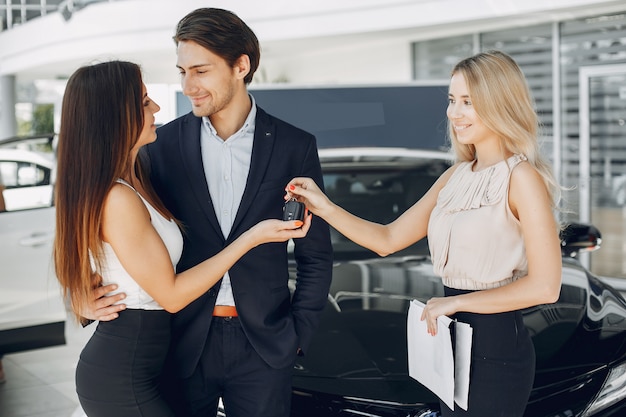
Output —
<point x="491" y="229"/>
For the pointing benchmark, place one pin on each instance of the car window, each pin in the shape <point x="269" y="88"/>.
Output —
<point x="377" y="194"/>
<point x="26" y="179"/>
<point x="15" y="174"/>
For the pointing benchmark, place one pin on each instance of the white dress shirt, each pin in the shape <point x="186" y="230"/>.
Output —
<point x="226" y="164"/>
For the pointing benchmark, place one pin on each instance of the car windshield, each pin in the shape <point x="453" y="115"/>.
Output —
<point x="379" y="191"/>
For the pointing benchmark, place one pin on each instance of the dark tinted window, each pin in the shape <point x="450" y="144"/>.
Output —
<point x="378" y="193"/>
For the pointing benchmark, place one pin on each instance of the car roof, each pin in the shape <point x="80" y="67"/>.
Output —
<point x="381" y="157"/>
<point x="21" y="155"/>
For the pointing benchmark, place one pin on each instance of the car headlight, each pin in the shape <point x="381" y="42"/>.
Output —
<point x="613" y="390"/>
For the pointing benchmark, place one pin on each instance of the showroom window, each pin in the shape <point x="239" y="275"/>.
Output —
<point x="594" y="154"/>
<point x="15" y="12"/>
<point x="531" y="47"/>
<point x="433" y="59"/>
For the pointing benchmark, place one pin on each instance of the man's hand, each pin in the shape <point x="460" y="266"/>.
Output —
<point x="102" y="307"/>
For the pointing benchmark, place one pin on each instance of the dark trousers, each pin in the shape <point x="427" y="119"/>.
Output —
<point x="231" y="369"/>
<point x="503" y="364"/>
<point x="119" y="368"/>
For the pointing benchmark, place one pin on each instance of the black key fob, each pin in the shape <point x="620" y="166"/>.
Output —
<point x="293" y="210"/>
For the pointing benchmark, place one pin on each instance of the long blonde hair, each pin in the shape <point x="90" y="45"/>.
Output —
<point x="501" y="98"/>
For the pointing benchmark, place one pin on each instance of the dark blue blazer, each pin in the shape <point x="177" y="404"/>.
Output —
<point x="275" y="323"/>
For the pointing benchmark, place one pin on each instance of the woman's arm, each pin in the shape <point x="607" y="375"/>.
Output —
<point x="127" y="228"/>
<point x="407" y="229"/>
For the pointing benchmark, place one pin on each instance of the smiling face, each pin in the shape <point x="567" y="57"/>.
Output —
<point x="468" y="127"/>
<point x="207" y="79"/>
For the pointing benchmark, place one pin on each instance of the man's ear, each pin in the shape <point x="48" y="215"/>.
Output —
<point x="242" y="66"/>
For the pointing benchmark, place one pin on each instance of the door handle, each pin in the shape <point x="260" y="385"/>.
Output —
<point x="37" y="239"/>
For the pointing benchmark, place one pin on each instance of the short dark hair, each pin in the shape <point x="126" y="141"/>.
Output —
<point x="223" y="33"/>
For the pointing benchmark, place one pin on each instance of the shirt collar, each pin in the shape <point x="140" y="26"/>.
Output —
<point x="248" y="124"/>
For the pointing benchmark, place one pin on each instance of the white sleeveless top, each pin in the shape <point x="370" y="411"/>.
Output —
<point x="475" y="240"/>
<point x="114" y="273"/>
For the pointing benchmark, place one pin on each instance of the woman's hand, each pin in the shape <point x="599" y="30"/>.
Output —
<point x="101" y="306"/>
<point x="306" y="191"/>
<point x="435" y="307"/>
<point x="274" y="230"/>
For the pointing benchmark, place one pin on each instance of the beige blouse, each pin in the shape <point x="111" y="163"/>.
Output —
<point x="475" y="241"/>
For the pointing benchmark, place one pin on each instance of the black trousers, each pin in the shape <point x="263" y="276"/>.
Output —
<point x="232" y="370"/>
<point x="120" y="366"/>
<point x="503" y="364"/>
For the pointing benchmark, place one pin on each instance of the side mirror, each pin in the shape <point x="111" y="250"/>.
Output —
<point x="577" y="238"/>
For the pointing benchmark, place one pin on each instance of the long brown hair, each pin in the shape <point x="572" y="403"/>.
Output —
<point x="102" y="116"/>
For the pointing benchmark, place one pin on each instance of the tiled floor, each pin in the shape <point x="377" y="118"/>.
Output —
<point x="40" y="383"/>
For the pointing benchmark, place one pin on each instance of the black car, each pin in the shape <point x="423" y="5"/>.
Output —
<point x="357" y="362"/>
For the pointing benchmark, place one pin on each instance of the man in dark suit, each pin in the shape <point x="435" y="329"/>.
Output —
<point x="220" y="170"/>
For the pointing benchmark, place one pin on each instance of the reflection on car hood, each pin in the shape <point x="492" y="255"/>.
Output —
<point x="365" y="344"/>
<point x="362" y="333"/>
<point x="361" y="340"/>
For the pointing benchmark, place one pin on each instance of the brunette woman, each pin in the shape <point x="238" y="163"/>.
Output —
<point x="112" y="228"/>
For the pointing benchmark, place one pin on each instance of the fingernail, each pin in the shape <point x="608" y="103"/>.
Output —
<point x="299" y="223"/>
<point x="292" y="187"/>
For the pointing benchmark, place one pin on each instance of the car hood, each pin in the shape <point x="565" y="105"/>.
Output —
<point x="361" y="355"/>
<point x="357" y="344"/>
<point x="362" y="333"/>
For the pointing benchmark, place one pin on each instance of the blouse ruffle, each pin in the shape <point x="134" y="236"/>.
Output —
<point x="468" y="190"/>
<point x="502" y="257"/>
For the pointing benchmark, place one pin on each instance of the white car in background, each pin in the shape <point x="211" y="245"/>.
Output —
<point x="26" y="179"/>
<point x="32" y="311"/>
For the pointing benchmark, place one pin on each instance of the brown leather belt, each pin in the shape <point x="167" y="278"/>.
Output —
<point x="225" y="311"/>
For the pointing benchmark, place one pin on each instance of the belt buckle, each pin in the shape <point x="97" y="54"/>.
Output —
<point x="226" y="312"/>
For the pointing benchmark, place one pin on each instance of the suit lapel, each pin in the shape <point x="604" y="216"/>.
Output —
<point x="262" y="146"/>
<point x="194" y="169"/>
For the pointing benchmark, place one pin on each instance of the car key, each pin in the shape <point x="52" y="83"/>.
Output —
<point x="293" y="210"/>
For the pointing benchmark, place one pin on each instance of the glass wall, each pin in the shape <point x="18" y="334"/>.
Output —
<point x="16" y="12"/>
<point x="580" y="45"/>
<point x="531" y="47"/>
<point x="433" y="59"/>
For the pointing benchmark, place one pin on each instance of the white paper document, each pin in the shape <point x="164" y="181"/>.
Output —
<point x="434" y="363"/>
